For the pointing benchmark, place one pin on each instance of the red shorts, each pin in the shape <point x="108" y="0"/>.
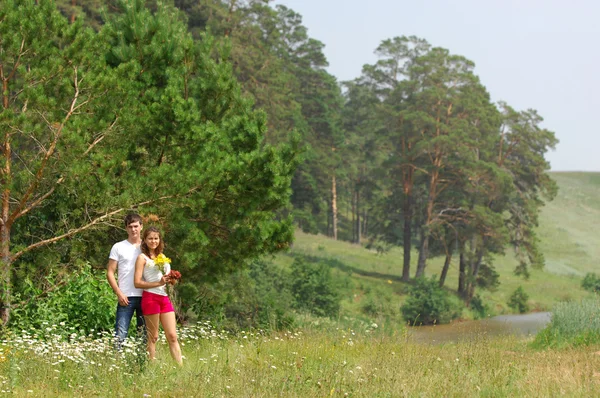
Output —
<point x="155" y="304"/>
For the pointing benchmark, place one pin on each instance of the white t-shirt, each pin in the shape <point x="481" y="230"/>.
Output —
<point x="125" y="254"/>
<point x="153" y="274"/>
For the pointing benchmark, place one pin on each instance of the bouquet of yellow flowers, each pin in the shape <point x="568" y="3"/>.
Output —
<point x="160" y="262"/>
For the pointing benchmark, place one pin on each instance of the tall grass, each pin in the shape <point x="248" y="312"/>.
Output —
<point x="311" y="363"/>
<point x="573" y="324"/>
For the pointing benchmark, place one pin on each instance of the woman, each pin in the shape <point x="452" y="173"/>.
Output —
<point x="156" y="305"/>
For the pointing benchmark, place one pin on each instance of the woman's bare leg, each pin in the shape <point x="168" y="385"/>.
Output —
<point x="152" y="330"/>
<point x="169" y="325"/>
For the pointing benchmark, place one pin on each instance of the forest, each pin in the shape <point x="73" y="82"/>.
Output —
<point x="218" y="121"/>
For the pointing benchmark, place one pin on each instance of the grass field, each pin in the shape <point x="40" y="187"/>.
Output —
<point x="301" y="364"/>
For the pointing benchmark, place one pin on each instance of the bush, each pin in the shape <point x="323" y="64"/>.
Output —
<point x="313" y="288"/>
<point x="378" y="303"/>
<point x="573" y="324"/>
<point x="82" y="299"/>
<point x="591" y="283"/>
<point x="518" y="300"/>
<point x="479" y="308"/>
<point x="258" y="297"/>
<point x="428" y="304"/>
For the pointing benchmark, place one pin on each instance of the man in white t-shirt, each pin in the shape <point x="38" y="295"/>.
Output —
<point x="122" y="261"/>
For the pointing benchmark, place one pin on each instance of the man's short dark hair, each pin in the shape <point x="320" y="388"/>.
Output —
<point x="131" y="218"/>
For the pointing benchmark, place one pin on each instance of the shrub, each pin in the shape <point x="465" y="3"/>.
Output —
<point x="479" y="308"/>
<point x="518" y="300"/>
<point x="591" y="282"/>
<point x="258" y="297"/>
<point x="428" y="303"/>
<point x="378" y="303"/>
<point x="573" y="324"/>
<point x="81" y="298"/>
<point x="313" y="288"/>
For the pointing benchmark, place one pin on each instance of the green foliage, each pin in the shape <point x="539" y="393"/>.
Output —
<point x="80" y="298"/>
<point x="480" y="309"/>
<point x="185" y="125"/>
<point x="255" y="298"/>
<point x="428" y="304"/>
<point x="518" y="300"/>
<point x="488" y="278"/>
<point x="314" y="289"/>
<point x="138" y="115"/>
<point x="378" y="303"/>
<point x="591" y="282"/>
<point x="573" y="324"/>
<point x="195" y="136"/>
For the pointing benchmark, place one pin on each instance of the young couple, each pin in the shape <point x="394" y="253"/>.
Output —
<point x="140" y="288"/>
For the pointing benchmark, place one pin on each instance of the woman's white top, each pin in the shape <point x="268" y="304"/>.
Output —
<point x="153" y="274"/>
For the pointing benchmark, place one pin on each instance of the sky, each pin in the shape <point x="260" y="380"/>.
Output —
<point x="532" y="54"/>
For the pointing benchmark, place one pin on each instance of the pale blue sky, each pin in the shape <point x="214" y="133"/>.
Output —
<point x="540" y="54"/>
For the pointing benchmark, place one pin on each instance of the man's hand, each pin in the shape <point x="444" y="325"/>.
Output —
<point x="111" y="268"/>
<point x="123" y="300"/>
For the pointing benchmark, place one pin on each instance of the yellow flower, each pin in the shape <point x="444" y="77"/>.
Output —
<point x="161" y="260"/>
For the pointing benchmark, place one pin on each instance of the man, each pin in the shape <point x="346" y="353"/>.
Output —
<point x="122" y="260"/>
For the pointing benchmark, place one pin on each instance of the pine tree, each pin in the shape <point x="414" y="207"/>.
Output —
<point x="57" y="105"/>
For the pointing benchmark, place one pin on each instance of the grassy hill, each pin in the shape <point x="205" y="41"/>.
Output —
<point x="568" y="229"/>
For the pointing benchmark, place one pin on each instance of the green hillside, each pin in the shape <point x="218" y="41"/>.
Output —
<point x="569" y="225"/>
<point x="569" y="243"/>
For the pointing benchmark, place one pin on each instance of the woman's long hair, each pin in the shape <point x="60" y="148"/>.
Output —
<point x="145" y="248"/>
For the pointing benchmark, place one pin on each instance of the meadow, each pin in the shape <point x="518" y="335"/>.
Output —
<point x="326" y="363"/>
<point x="356" y="354"/>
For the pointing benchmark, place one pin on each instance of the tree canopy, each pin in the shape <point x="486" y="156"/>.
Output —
<point x="218" y="121"/>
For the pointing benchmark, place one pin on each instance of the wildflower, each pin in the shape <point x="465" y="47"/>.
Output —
<point x="160" y="261"/>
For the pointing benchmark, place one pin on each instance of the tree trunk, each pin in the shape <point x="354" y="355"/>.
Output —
<point x="5" y="282"/>
<point x="353" y="213"/>
<point x="73" y="14"/>
<point x="334" y="206"/>
<point x="474" y="272"/>
<point x="5" y="223"/>
<point x="423" y="253"/>
<point x="449" y="252"/>
<point x="462" y="273"/>
<point x="407" y="236"/>
<point x="358" y="226"/>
